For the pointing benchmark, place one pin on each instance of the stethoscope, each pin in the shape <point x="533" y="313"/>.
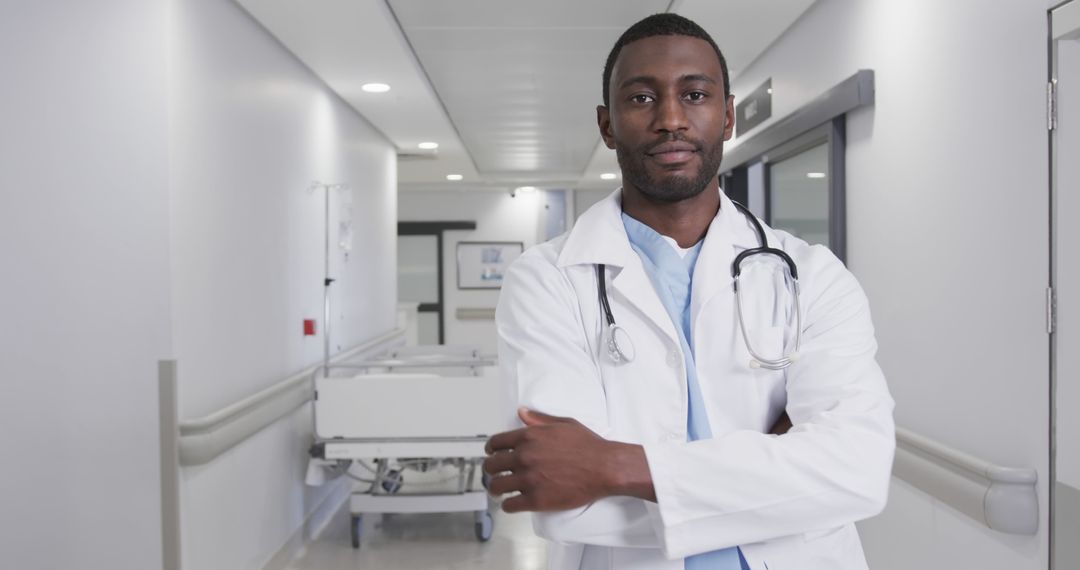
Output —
<point x="621" y="348"/>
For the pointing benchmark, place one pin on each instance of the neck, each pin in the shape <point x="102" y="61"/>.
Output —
<point x="685" y="221"/>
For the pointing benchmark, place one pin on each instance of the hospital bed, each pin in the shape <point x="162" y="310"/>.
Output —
<point x="415" y="420"/>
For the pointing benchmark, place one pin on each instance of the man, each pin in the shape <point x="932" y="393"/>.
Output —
<point x="654" y="451"/>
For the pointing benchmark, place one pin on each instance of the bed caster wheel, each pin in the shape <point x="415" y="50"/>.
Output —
<point x="393" y="481"/>
<point x="356" y="521"/>
<point x="484" y="525"/>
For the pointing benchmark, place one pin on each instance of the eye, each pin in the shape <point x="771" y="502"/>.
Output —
<point x="641" y="98"/>
<point x="696" y="96"/>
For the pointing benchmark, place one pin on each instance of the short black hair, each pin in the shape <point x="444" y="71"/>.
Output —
<point x="664" y="24"/>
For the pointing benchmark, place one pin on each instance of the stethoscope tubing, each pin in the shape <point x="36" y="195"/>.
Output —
<point x="758" y="360"/>
<point x="616" y="351"/>
<point x="619" y="354"/>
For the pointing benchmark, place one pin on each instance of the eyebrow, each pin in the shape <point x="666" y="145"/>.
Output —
<point x="697" y="77"/>
<point x="650" y="80"/>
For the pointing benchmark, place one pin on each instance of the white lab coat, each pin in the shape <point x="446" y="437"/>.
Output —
<point x="788" y="501"/>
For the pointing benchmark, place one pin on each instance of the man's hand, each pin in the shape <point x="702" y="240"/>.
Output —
<point x="782" y="425"/>
<point x="558" y="464"/>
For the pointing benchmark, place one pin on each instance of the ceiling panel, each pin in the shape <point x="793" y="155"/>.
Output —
<point x="464" y="14"/>
<point x="743" y="28"/>
<point x="509" y="87"/>
<point x="352" y="42"/>
<point x="521" y="81"/>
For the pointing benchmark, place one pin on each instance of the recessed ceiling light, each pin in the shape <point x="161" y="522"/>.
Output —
<point x="607" y="176"/>
<point x="769" y="91"/>
<point x="815" y="175"/>
<point x="428" y="145"/>
<point x="454" y="177"/>
<point x="526" y="188"/>
<point x="375" y="87"/>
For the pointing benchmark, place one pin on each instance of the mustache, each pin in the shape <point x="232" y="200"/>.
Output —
<point x="651" y="148"/>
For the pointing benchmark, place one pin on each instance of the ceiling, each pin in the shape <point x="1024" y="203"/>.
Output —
<point x="522" y="82"/>
<point x="507" y="89"/>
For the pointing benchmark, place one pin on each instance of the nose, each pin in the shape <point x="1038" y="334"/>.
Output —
<point x="670" y="115"/>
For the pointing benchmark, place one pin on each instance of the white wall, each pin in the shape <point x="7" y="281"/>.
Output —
<point x="585" y="199"/>
<point x="947" y="231"/>
<point x="84" y="291"/>
<point x="498" y="217"/>
<point x="251" y="127"/>
<point x="151" y="148"/>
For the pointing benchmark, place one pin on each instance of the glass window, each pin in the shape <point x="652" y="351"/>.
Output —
<point x="799" y="194"/>
<point x="418" y="269"/>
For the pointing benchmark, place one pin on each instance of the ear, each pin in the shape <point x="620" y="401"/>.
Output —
<point x="729" y="118"/>
<point x="603" y="120"/>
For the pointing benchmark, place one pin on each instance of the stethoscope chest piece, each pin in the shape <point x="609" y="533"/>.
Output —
<point x="620" y="347"/>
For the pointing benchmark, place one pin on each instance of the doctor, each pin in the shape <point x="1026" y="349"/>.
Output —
<point x="656" y="452"/>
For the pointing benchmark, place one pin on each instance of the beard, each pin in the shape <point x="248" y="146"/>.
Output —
<point x="673" y="187"/>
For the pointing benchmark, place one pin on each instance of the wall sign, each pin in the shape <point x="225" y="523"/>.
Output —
<point x="482" y="265"/>
<point x="754" y="109"/>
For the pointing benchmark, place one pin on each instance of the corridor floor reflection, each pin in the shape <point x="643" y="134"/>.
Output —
<point x="426" y="542"/>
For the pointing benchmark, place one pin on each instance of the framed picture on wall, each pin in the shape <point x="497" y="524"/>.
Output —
<point x="482" y="264"/>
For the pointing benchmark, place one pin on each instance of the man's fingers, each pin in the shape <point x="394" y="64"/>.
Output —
<point x="782" y="425"/>
<point x="535" y="418"/>
<point x="504" y="440"/>
<point x="517" y="504"/>
<point x="504" y="484"/>
<point x="499" y="462"/>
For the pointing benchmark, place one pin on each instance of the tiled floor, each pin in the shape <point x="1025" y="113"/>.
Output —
<point x="423" y="542"/>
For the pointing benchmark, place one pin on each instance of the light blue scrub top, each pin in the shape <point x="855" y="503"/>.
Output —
<point x="671" y="275"/>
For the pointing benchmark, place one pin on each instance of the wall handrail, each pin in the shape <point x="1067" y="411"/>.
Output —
<point x="402" y="364"/>
<point x="1003" y="498"/>
<point x="204" y="438"/>
<point x="229" y="413"/>
<point x="963" y="460"/>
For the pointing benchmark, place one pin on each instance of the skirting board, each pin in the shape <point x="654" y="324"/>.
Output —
<point x="313" y="526"/>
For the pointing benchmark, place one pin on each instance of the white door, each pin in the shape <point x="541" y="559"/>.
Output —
<point x="1065" y="183"/>
<point x="418" y="282"/>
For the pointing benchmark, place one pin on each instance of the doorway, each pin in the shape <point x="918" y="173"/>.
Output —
<point x="421" y="274"/>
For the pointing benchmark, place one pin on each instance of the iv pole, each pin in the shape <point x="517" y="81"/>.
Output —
<point x="327" y="280"/>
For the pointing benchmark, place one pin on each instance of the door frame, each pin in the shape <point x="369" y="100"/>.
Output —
<point x="1070" y="11"/>
<point x="437" y="229"/>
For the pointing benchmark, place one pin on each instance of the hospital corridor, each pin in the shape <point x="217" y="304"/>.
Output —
<point x="524" y="285"/>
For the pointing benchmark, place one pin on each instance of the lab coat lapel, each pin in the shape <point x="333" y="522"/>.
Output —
<point x="634" y="285"/>
<point x="729" y="233"/>
<point x="600" y="237"/>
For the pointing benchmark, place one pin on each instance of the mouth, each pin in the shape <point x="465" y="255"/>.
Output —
<point x="672" y="153"/>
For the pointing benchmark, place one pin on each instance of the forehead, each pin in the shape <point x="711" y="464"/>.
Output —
<point x="666" y="57"/>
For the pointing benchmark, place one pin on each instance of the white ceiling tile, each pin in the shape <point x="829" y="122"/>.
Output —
<point x="510" y="86"/>
<point x="524" y="61"/>
<point x="742" y="28"/>
<point x="524" y="13"/>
